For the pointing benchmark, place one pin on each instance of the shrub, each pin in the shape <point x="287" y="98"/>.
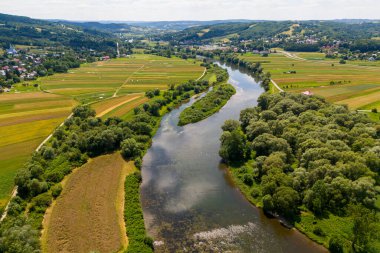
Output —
<point x="255" y="193"/>
<point x="336" y="245"/>
<point x="318" y="231"/>
<point x="56" y="190"/>
<point x="130" y="148"/>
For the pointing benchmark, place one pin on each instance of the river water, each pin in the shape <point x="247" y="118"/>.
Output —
<point x="189" y="201"/>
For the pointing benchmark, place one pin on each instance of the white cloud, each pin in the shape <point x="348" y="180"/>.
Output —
<point x="192" y="9"/>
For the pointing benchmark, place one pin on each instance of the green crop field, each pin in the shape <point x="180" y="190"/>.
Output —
<point x="356" y="83"/>
<point x="121" y="76"/>
<point x="27" y="118"/>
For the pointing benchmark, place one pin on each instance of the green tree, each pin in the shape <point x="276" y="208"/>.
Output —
<point x="233" y="146"/>
<point x="130" y="148"/>
<point x="286" y="201"/>
<point x="365" y="229"/>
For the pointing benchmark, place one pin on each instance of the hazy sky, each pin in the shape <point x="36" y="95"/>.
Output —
<point x="192" y="9"/>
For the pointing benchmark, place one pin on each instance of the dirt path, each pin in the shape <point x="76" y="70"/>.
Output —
<point x="203" y="74"/>
<point x="115" y="106"/>
<point x="88" y="216"/>
<point x="126" y="81"/>
<point x="275" y="85"/>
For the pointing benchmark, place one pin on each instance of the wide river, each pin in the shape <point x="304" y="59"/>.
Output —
<point x="189" y="201"/>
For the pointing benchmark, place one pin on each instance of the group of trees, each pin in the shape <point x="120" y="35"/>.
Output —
<point x="82" y="136"/>
<point x="300" y="152"/>
<point x="212" y="101"/>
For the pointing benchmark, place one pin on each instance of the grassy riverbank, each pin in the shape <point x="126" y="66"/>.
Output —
<point x="212" y="102"/>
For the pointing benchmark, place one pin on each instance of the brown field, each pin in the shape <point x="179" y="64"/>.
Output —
<point x="88" y="216"/>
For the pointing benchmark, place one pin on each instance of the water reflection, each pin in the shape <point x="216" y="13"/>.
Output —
<point x="189" y="201"/>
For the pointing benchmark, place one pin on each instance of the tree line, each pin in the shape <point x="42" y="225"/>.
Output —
<point x="296" y="152"/>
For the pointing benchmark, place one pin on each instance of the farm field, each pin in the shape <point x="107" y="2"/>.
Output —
<point x="88" y="215"/>
<point x="107" y="105"/>
<point x="121" y="76"/>
<point x="353" y="83"/>
<point x="26" y="119"/>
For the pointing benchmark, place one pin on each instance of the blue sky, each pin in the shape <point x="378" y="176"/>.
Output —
<point x="192" y="9"/>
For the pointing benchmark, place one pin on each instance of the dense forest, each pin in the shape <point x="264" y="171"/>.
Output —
<point x="296" y="153"/>
<point x="34" y="32"/>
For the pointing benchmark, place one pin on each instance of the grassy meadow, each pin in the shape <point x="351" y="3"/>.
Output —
<point x="356" y="83"/>
<point x="26" y="119"/>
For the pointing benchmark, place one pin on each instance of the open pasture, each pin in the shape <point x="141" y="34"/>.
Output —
<point x="353" y="83"/>
<point x="121" y="76"/>
<point x="88" y="215"/>
<point x="26" y="119"/>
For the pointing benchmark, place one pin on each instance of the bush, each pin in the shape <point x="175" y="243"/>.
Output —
<point x="255" y="193"/>
<point x="130" y="148"/>
<point x="134" y="220"/>
<point x="83" y="112"/>
<point x="248" y="179"/>
<point x="318" y="231"/>
<point x="336" y="245"/>
<point x="56" y="190"/>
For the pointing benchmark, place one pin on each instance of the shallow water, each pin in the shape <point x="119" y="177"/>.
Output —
<point x="189" y="201"/>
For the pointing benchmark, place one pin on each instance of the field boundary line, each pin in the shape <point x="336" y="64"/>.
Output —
<point x="117" y="105"/>
<point x="275" y="85"/>
<point x="125" y="82"/>
<point x="204" y="73"/>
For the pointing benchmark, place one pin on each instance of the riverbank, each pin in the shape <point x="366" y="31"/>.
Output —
<point x="284" y="148"/>
<point x="188" y="200"/>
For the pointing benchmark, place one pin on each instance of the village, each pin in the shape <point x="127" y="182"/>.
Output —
<point x="25" y="64"/>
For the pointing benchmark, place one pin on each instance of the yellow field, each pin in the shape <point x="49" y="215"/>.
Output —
<point x="354" y="83"/>
<point x="25" y="121"/>
<point x="88" y="215"/>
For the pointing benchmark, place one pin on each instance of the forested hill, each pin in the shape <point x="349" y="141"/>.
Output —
<point x="281" y="32"/>
<point x="28" y="31"/>
<point x="105" y="27"/>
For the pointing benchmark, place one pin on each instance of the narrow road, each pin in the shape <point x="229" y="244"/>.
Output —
<point x="126" y="81"/>
<point x="275" y="85"/>
<point x="204" y="73"/>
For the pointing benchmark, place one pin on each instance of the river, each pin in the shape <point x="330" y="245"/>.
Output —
<point x="189" y="201"/>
